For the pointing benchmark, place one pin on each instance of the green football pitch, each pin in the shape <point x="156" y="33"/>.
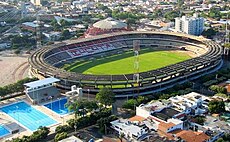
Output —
<point x="124" y="63"/>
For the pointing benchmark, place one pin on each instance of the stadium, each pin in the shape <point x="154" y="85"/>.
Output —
<point x="56" y="59"/>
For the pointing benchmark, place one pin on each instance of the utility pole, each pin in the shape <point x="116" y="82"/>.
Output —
<point x="38" y="31"/>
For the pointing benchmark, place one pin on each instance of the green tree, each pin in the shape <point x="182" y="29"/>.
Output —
<point x="130" y="104"/>
<point x="226" y="137"/>
<point x="17" y="51"/>
<point x="81" y="107"/>
<point x="220" y="140"/>
<point x="55" y="25"/>
<point x="65" y="34"/>
<point x="60" y="136"/>
<point x="209" y="33"/>
<point x="218" y="89"/>
<point x="200" y="120"/>
<point x="121" y="136"/>
<point x="105" y="121"/>
<point x="105" y="96"/>
<point x="171" y="15"/>
<point x="227" y="45"/>
<point x="86" y="18"/>
<point x="216" y="106"/>
<point x="130" y="21"/>
<point x="214" y="13"/>
<point x="65" y="23"/>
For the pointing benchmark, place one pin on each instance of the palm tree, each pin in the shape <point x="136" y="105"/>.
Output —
<point x="82" y="107"/>
<point x="121" y="136"/>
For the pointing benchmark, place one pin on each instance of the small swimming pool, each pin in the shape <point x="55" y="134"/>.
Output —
<point x="28" y="116"/>
<point x="3" y="131"/>
<point x="58" y="106"/>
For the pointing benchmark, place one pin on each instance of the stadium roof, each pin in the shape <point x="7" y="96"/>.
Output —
<point x="41" y="82"/>
<point x="110" y="23"/>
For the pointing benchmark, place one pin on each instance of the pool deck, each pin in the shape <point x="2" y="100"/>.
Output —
<point x="7" y="120"/>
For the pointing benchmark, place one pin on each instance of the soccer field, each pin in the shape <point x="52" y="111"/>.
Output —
<point x="124" y="63"/>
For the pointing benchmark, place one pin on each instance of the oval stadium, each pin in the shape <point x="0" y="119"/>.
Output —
<point x="165" y="59"/>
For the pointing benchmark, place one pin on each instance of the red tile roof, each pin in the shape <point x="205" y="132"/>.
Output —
<point x="191" y="136"/>
<point x="136" y="118"/>
<point x="164" y="126"/>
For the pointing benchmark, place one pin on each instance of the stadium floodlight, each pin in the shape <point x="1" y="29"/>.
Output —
<point x="136" y="76"/>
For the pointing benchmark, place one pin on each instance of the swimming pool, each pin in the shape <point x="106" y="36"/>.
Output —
<point x="28" y="116"/>
<point x="3" y="131"/>
<point x="58" y="106"/>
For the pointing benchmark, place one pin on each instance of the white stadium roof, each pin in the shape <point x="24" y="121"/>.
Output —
<point x="42" y="82"/>
<point x="110" y="23"/>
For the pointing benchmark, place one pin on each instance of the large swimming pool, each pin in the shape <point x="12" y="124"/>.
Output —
<point x="3" y="131"/>
<point x="58" y="106"/>
<point x="28" y="116"/>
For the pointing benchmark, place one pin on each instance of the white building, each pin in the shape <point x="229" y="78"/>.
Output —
<point x="130" y="129"/>
<point x="52" y="36"/>
<point x="36" y="2"/>
<point x="146" y="110"/>
<point x="192" y="103"/>
<point x="190" y="25"/>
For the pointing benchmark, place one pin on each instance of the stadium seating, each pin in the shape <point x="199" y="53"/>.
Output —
<point x="56" y="56"/>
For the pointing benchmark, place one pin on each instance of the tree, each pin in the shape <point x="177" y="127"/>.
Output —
<point x="216" y="106"/>
<point x="226" y="137"/>
<point x="121" y="136"/>
<point x="60" y="136"/>
<point x="105" y="121"/>
<point x="171" y="15"/>
<point x="200" y="120"/>
<point x="65" y="34"/>
<point x="130" y="104"/>
<point x="214" y="13"/>
<point x="220" y="140"/>
<point x="55" y="25"/>
<point x="130" y="21"/>
<point x="17" y="51"/>
<point x="65" y="23"/>
<point x="209" y="33"/>
<point x="82" y="107"/>
<point x="227" y="45"/>
<point x="218" y="89"/>
<point x="105" y="96"/>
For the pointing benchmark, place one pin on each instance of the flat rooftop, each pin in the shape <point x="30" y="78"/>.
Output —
<point x="166" y="113"/>
<point x="127" y="126"/>
<point x="42" y="82"/>
<point x="152" y="106"/>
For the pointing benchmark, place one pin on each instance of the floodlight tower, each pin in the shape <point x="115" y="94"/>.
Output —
<point x="136" y="76"/>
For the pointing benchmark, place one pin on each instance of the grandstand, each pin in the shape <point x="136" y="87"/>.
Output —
<point x="47" y="61"/>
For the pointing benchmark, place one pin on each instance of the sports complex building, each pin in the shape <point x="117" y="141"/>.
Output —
<point x="48" y="61"/>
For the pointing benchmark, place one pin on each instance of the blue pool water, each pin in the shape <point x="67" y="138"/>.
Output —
<point x="58" y="106"/>
<point x="27" y="115"/>
<point x="3" y="131"/>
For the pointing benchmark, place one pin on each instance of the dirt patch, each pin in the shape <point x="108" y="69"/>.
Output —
<point x="13" y="69"/>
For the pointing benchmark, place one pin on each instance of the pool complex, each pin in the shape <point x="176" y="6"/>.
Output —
<point x="28" y="116"/>
<point x="58" y="106"/>
<point x="3" y="131"/>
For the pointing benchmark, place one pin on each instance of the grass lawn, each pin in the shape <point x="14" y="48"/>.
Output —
<point x="124" y="63"/>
